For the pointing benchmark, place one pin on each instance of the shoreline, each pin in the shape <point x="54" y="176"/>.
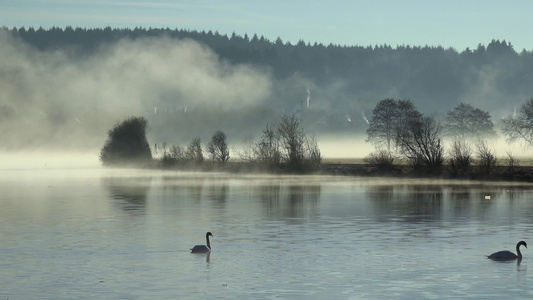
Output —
<point x="356" y="167"/>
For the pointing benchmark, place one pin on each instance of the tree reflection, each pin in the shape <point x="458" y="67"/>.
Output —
<point x="460" y="199"/>
<point x="464" y="199"/>
<point x="191" y="186"/>
<point x="130" y="193"/>
<point x="292" y="203"/>
<point x="269" y="196"/>
<point x="218" y="191"/>
<point x="410" y="203"/>
<point x="414" y="203"/>
<point x="425" y="204"/>
<point x="382" y="197"/>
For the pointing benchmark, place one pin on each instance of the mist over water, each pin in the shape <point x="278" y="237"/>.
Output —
<point x="42" y="160"/>
<point x="73" y="229"/>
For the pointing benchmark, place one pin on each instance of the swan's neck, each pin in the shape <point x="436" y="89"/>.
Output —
<point x="517" y="251"/>
<point x="207" y="240"/>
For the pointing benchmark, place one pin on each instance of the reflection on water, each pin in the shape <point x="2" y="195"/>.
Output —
<point x="218" y="192"/>
<point x="413" y="204"/>
<point x="295" y="203"/>
<point x="286" y="237"/>
<point x="426" y="203"/>
<point x="129" y="193"/>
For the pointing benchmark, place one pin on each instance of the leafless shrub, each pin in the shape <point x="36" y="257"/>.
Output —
<point x="194" y="152"/>
<point x="313" y="155"/>
<point x="267" y="151"/>
<point x="381" y="159"/>
<point x="291" y="141"/>
<point x="460" y="158"/>
<point x="512" y="163"/>
<point x="284" y="145"/>
<point x="487" y="160"/>
<point x="173" y="156"/>
<point x="246" y="152"/>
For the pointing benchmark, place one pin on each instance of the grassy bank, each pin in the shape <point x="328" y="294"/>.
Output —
<point x="358" y="167"/>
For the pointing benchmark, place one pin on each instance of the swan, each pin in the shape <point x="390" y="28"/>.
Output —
<point x="203" y="248"/>
<point x="508" y="255"/>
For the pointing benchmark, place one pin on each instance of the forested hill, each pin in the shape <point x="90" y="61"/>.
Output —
<point x="433" y="77"/>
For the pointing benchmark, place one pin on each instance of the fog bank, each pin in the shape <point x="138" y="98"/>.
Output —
<point x="65" y="98"/>
<point x="41" y="160"/>
<point x="59" y="99"/>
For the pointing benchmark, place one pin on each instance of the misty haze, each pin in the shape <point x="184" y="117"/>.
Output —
<point x="320" y="171"/>
<point x="62" y="90"/>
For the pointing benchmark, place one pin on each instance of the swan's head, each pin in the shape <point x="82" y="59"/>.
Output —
<point x="522" y="243"/>
<point x="208" y="234"/>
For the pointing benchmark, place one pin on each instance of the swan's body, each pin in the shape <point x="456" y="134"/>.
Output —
<point x="203" y="248"/>
<point x="508" y="255"/>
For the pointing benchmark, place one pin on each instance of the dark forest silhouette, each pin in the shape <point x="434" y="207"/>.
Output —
<point x="427" y="74"/>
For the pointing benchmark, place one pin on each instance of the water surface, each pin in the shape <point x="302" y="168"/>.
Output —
<point x="85" y="234"/>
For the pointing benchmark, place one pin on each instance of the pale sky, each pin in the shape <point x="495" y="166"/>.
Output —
<point x="451" y="23"/>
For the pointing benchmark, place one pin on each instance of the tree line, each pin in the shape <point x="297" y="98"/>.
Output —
<point x="396" y="128"/>
<point x="283" y="146"/>
<point x="434" y="75"/>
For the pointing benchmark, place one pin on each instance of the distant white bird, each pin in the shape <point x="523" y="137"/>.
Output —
<point x="348" y="118"/>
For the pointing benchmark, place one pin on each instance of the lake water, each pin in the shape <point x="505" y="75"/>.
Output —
<point x="96" y="233"/>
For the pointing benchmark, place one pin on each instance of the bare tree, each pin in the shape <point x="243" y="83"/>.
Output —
<point x="313" y="155"/>
<point x="388" y="117"/>
<point x="267" y="149"/>
<point x="486" y="159"/>
<point x="172" y="156"/>
<point x="382" y="128"/>
<point x="194" y="151"/>
<point x="520" y="126"/>
<point x="513" y="164"/>
<point x="460" y="158"/>
<point x="284" y="144"/>
<point x="421" y="144"/>
<point x="292" y="139"/>
<point x="246" y="152"/>
<point x="466" y="121"/>
<point x="218" y="147"/>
